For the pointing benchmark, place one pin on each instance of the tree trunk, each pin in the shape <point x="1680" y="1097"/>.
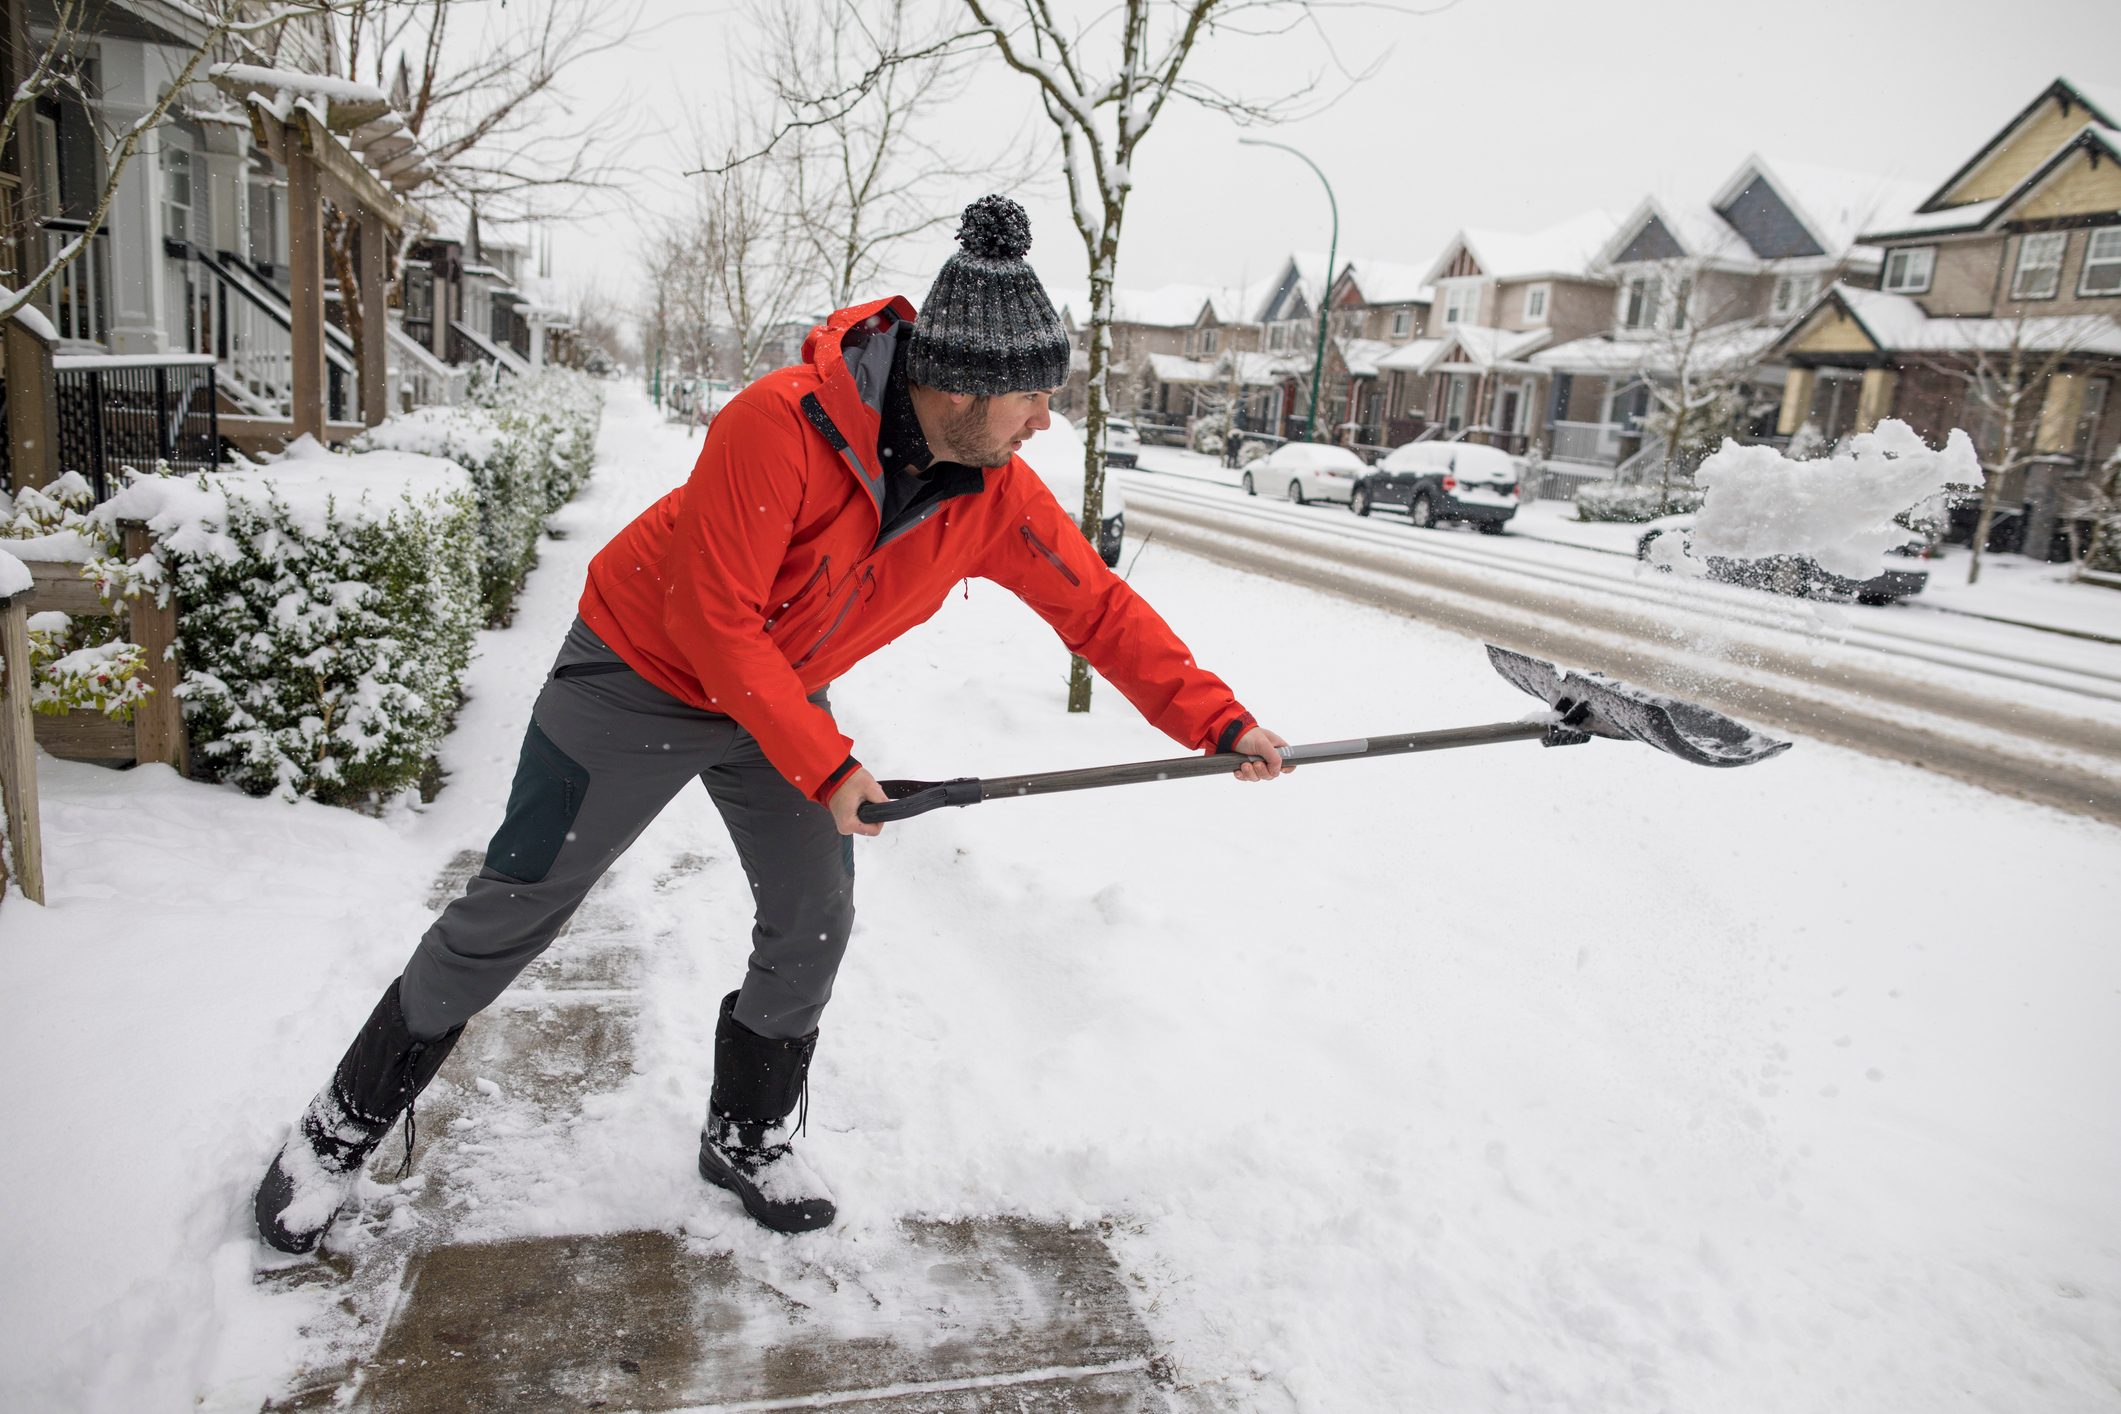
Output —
<point x="1103" y="262"/>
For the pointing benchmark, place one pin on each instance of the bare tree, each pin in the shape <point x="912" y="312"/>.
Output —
<point x="1103" y="111"/>
<point x="230" y="28"/>
<point x="862" y="179"/>
<point x="2004" y="380"/>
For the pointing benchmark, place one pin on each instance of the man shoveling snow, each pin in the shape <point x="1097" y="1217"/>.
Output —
<point x="833" y="508"/>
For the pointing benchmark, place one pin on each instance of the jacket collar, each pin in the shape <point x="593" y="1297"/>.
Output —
<point x="851" y="352"/>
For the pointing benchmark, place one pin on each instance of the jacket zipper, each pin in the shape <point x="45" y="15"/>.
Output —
<point x="822" y="565"/>
<point x="1051" y="554"/>
<point x="854" y="593"/>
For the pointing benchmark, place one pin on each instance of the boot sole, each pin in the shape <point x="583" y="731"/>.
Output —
<point x="780" y="1217"/>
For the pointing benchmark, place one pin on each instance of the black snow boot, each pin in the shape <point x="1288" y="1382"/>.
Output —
<point x="745" y="1146"/>
<point x="377" y="1080"/>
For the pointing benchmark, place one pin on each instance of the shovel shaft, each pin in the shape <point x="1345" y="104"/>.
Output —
<point x="910" y="798"/>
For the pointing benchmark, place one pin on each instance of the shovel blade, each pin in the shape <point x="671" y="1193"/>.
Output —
<point x="1601" y="706"/>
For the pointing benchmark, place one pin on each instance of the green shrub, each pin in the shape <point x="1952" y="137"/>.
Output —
<point x="327" y="606"/>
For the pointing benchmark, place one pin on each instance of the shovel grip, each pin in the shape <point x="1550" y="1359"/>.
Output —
<point x="911" y="798"/>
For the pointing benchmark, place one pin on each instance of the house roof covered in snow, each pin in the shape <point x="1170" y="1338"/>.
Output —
<point x="1709" y="350"/>
<point x="1467" y="348"/>
<point x="1892" y="323"/>
<point x="1170" y="368"/>
<point x="2098" y="104"/>
<point x="1566" y="249"/>
<point x="2094" y="142"/>
<point x="1387" y="282"/>
<point x="1361" y="355"/>
<point x="1766" y="214"/>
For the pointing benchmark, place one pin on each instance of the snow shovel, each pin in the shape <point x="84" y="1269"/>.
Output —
<point x="1580" y="706"/>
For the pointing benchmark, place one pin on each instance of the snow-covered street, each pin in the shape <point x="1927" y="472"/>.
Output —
<point x="1508" y="1079"/>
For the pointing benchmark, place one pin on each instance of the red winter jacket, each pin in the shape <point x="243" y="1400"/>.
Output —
<point x="763" y="578"/>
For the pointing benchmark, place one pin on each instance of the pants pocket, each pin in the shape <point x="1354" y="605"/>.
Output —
<point x="542" y="805"/>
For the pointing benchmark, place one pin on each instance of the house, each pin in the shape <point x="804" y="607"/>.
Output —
<point x="1998" y="310"/>
<point x="239" y="291"/>
<point x="1500" y="296"/>
<point x="1377" y="306"/>
<point x="1698" y="291"/>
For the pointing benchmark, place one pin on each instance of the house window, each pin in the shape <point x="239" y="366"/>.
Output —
<point x="1682" y="296"/>
<point x="1535" y="304"/>
<point x="1793" y="292"/>
<point x="1402" y="323"/>
<point x="2102" y="263"/>
<point x="1207" y="342"/>
<point x="1639" y="299"/>
<point x="2039" y="265"/>
<point x="2089" y="413"/>
<point x="1459" y="303"/>
<point x="1907" y="270"/>
<point x="176" y="193"/>
<point x="1277" y="337"/>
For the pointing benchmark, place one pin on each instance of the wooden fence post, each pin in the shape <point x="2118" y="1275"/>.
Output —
<point x="158" y="723"/>
<point x="18" y="754"/>
<point x="32" y="428"/>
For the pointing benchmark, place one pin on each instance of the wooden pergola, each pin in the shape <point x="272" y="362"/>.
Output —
<point x="339" y="143"/>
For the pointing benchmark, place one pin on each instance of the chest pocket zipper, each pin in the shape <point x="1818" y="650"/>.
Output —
<point x="854" y="594"/>
<point x="1052" y="555"/>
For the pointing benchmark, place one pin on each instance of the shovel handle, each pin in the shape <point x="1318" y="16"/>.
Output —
<point x="911" y="798"/>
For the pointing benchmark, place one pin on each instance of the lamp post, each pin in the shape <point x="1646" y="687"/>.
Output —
<point x="1318" y="366"/>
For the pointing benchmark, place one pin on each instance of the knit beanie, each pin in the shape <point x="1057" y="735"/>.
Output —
<point x="987" y="326"/>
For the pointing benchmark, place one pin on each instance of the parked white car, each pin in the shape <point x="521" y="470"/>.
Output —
<point x="1123" y="442"/>
<point x="1056" y="454"/>
<point x="1306" y="471"/>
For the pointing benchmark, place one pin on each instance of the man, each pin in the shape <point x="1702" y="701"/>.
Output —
<point x="834" y="507"/>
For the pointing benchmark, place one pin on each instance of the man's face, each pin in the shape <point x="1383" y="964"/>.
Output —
<point x="988" y="431"/>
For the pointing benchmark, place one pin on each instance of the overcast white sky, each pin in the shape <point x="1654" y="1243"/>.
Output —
<point x="1502" y="113"/>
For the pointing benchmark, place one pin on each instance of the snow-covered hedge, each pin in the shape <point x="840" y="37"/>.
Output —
<point x="1609" y="500"/>
<point x="528" y="444"/>
<point x="327" y="605"/>
<point x="77" y="662"/>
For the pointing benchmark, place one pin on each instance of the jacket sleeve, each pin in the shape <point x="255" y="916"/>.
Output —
<point x="732" y="533"/>
<point x="1043" y="559"/>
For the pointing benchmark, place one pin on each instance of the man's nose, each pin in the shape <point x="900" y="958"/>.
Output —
<point x="1040" y="420"/>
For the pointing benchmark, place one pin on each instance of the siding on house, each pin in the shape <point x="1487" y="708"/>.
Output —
<point x="1963" y="280"/>
<point x="1766" y="223"/>
<point x="2019" y="155"/>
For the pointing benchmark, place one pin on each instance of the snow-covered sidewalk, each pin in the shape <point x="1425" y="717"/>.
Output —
<point x="1505" y="1079"/>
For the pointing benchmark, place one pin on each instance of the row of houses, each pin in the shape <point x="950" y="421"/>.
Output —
<point x="1792" y="301"/>
<point x="274" y="260"/>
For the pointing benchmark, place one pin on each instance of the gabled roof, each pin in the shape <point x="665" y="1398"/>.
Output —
<point x="1171" y="368"/>
<point x="1385" y="282"/>
<point x="1987" y="215"/>
<point x="2101" y="103"/>
<point x="1566" y="249"/>
<point x="1830" y="206"/>
<point x="1896" y="324"/>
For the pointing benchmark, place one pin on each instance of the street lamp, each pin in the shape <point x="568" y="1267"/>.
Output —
<point x="1318" y="366"/>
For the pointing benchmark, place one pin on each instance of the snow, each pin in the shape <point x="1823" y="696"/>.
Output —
<point x="1653" y="1088"/>
<point x="1565" y="249"/>
<point x="15" y="577"/>
<point x="312" y="481"/>
<point x="292" y="81"/>
<point x="32" y="318"/>
<point x="1897" y="323"/>
<point x="1837" y="511"/>
<point x="68" y="362"/>
<point x="59" y="545"/>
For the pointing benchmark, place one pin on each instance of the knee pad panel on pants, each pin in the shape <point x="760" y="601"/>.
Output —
<point x="542" y="805"/>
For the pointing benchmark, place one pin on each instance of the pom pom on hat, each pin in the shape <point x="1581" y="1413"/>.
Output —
<point x="995" y="228"/>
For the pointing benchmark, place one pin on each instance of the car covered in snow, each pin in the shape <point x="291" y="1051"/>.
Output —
<point x="1123" y="442"/>
<point x="1056" y="454"/>
<point x="1903" y="571"/>
<point x="1439" y="482"/>
<point x="1305" y="472"/>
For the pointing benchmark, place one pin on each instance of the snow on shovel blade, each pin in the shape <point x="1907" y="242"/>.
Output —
<point x="1598" y="705"/>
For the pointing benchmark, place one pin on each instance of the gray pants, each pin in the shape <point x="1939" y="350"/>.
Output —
<point x="604" y="753"/>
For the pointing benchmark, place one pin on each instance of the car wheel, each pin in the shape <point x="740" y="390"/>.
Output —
<point x="1422" y="514"/>
<point x="1491" y="527"/>
<point x="1642" y="550"/>
<point x="1874" y="599"/>
<point x="1246" y="481"/>
<point x="1359" y="501"/>
<point x="1296" y="491"/>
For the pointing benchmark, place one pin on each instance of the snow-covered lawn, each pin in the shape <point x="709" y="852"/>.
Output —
<point x="1504" y="1079"/>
